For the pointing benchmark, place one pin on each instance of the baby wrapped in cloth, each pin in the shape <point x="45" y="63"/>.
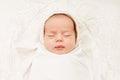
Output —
<point x="45" y="65"/>
<point x="73" y="65"/>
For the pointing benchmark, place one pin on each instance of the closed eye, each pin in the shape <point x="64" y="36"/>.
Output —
<point x="50" y="35"/>
<point x="66" y="35"/>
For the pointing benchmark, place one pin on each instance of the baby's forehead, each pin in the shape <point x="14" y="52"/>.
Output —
<point x="60" y="18"/>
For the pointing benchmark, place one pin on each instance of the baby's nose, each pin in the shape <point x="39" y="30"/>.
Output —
<point x="59" y="38"/>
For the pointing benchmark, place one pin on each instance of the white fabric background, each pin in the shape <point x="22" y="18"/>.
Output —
<point x="12" y="12"/>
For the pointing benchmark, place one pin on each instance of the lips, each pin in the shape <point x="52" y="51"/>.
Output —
<point x="59" y="47"/>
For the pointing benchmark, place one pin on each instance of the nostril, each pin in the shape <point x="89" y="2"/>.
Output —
<point x="59" y="40"/>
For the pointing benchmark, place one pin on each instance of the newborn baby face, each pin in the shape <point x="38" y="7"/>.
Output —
<point x="59" y="34"/>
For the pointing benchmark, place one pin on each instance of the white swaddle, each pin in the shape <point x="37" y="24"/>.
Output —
<point x="49" y="66"/>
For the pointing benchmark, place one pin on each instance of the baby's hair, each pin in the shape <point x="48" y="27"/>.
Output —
<point x="67" y="16"/>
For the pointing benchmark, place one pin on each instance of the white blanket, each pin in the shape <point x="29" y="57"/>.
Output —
<point x="72" y="66"/>
<point x="96" y="21"/>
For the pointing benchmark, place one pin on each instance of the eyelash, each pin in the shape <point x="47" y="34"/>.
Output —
<point x="50" y="36"/>
<point x="68" y="35"/>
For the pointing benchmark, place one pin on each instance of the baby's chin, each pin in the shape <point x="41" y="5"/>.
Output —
<point x="61" y="52"/>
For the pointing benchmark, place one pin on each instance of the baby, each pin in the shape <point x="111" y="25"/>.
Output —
<point x="60" y="34"/>
<point x="60" y="58"/>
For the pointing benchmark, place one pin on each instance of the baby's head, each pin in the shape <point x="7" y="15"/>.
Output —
<point x="60" y="34"/>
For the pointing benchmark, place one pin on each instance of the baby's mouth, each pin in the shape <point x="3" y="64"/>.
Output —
<point x="59" y="47"/>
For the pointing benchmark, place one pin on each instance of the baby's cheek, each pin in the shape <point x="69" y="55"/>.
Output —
<point x="71" y="43"/>
<point x="48" y="42"/>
